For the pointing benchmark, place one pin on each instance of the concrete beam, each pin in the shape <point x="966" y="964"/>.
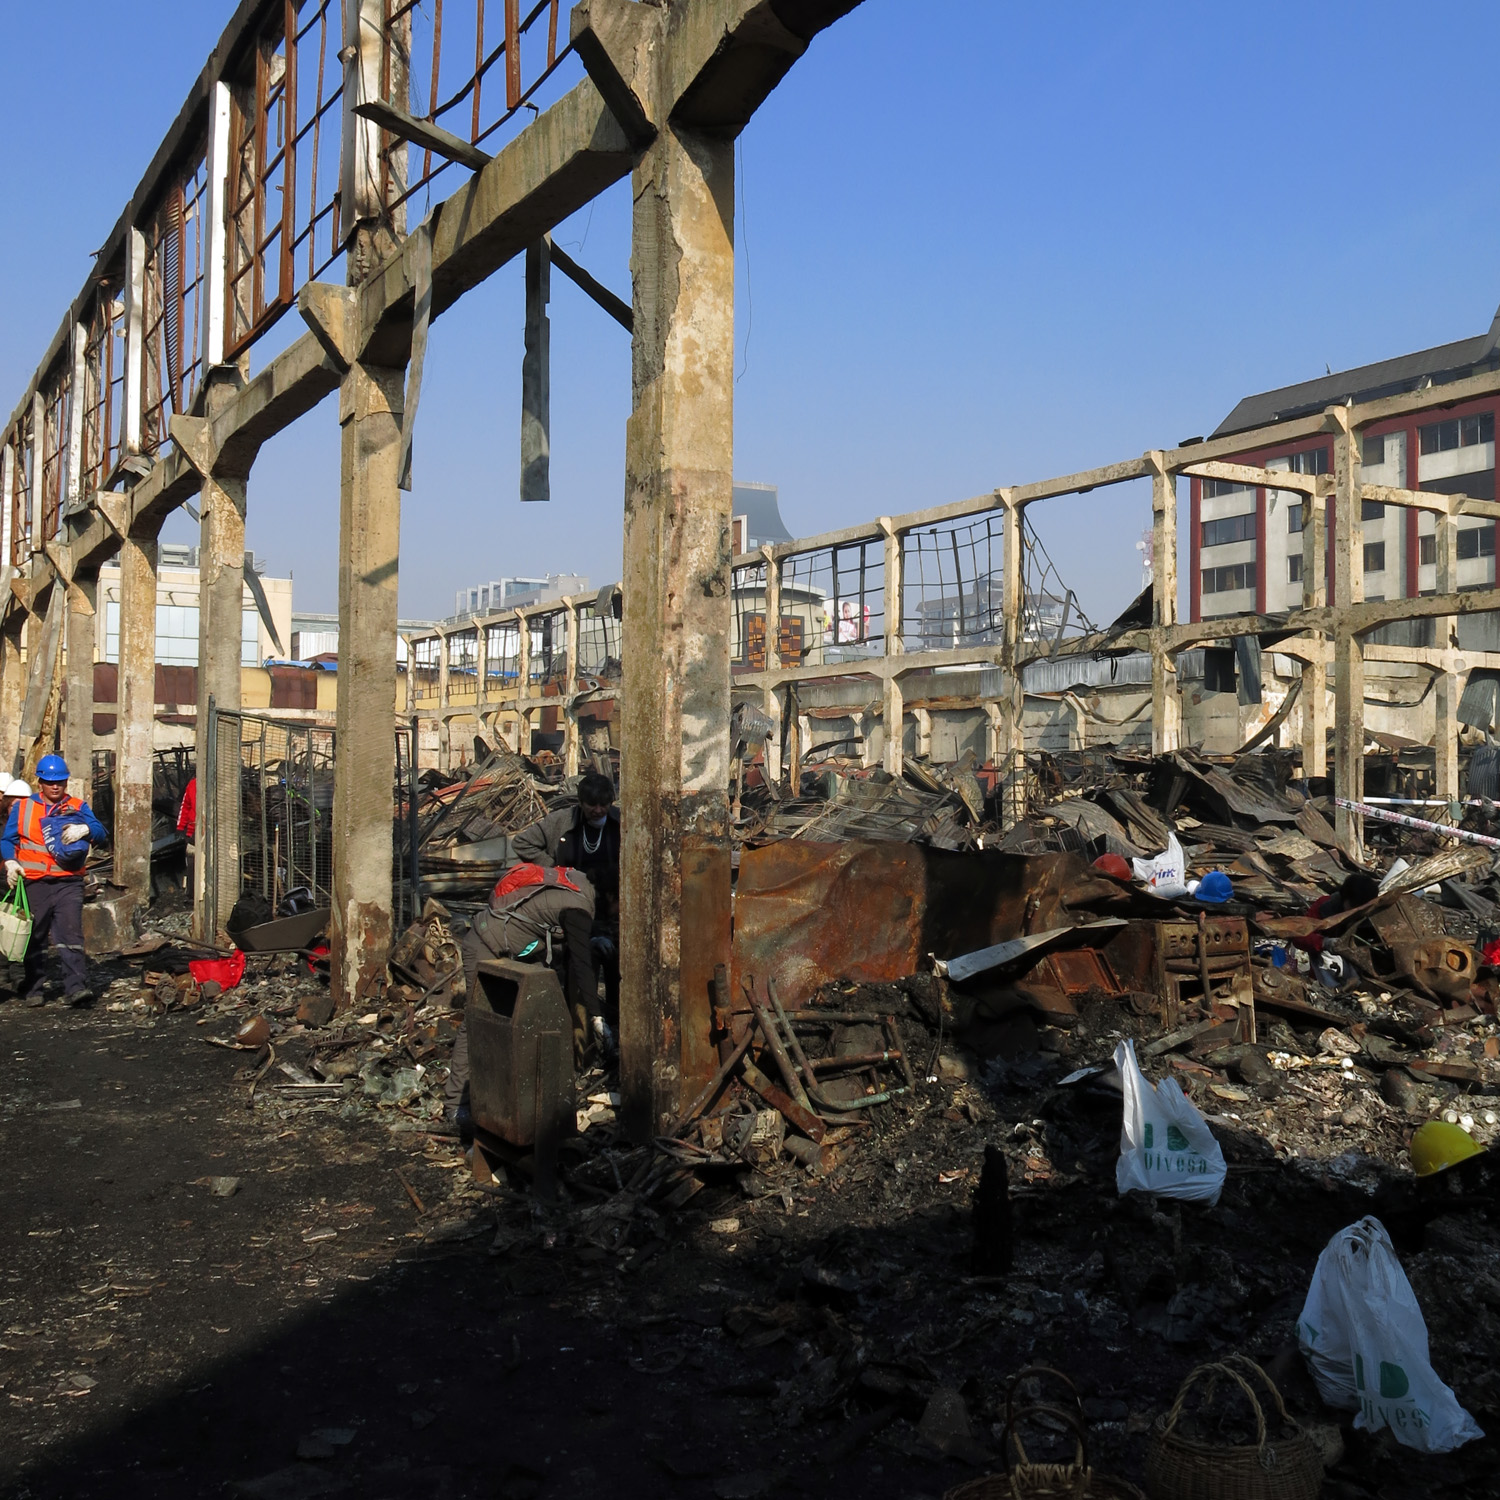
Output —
<point x="555" y="166"/>
<point x="1229" y="447"/>
<point x="1443" y="505"/>
<point x="1271" y="479"/>
<point x="618" y="41"/>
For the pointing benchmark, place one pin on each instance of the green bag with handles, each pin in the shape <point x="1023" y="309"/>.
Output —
<point x="15" y="922"/>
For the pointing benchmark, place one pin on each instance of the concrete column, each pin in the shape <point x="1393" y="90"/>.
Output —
<point x="893" y="712"/>
<point x="214" y="230"/>
<point x="1011" y="751"/>
<point x="221" y="603"/>
<point x="78" y="726"/>
<point x="135" y="339"/>
<point x="773" y="611"/>
<point x="994" y="732"/>
<point x="35" y="532"/>
<point x="1314" y="695"/>
<point x="523" y="683"/>
<point x="924" y="731"/>
<point x="72" y="440"/>
<point x="1445" y="738"/>
<point x="445" y="737"/>
<point x="771" y="702"/>
<point x="481" y="668"/>
<point x="135" y="716"/>
<point x="570" y="691"/>
<point x="1166" y="697"/>
<point x="679" y="459"/>
<point x="8" y="458"/>
<point x="536" y="376"/>
<point x="12" y="684"/>
<point x="1348" y="658"/>
<point x="370" y="408"/>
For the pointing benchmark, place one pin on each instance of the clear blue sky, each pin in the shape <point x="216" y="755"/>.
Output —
<point x="982" y="243"/>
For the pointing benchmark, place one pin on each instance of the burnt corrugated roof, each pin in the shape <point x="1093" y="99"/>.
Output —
<point x="1387" y="377"/>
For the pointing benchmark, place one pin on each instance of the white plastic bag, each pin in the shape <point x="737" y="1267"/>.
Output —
<point x="1166" y="1146"/>
<point x="1167" y="873"/>
<point x="1365" y="1341"/>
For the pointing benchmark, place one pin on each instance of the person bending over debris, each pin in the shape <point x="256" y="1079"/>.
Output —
<point x="1357" y="890"/>
<point x="541" y="914"/>
<point x="587" y="838"/>
<point x="46" y="842"/>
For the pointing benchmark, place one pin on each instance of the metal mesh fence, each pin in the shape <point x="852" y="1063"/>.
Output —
<point x="833" y="604"/>
<point x="270" y="804"/>
<point x="952" y="584"/>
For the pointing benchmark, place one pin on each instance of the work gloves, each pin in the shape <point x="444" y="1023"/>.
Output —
<point x="75" y="831"/>
<point x="13" y="872"/>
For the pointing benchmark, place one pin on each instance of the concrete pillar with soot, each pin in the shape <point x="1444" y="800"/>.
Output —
<point x="136" y="713"/>
<point x="679" y="457"/>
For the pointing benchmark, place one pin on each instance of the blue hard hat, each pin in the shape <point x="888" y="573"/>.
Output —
<point x="1215" y="886"/>
<point x="52" y="768"/>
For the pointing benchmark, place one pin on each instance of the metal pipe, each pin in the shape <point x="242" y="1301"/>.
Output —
<point x="853" y="1060"/>
<point x="715" y="1083"/>
<point x="818" y="1097"/>
<point x="783" y="1062"/>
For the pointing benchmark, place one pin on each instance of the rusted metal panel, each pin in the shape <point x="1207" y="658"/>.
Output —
<point x="807" y="914"/>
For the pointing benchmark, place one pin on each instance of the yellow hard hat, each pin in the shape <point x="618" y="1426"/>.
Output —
<point x="1438" y="1145"/>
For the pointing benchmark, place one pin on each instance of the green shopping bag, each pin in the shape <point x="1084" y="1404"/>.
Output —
<point x="15" y="922"/>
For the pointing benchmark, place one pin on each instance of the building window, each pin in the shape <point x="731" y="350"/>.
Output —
<point x="1458" y="432"/>
<point x="1314" y="461"/>
<point x="1294" y="517"/>
<point x="250" y="639"/>
<point x="1426" y="550"/>
<point x="1218" y="670"/>
<point x="177" y="635"/>
<point x="1374" y="557"/>
<point x="1228" y="580"/>
<point x="1214" y="488"/>
<point x="1478" y="484"/>
<point x="1476" y="541"/>
<point x="1229" y="529"/>
<point x="1374" y="451"/>
<point x="1294" y="568"/>
<point x="1371" y="510"/>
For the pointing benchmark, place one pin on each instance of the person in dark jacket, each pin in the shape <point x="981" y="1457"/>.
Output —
<point x="587" y="838"/>
<point x="45" y="843"/>
<point x="539" y="914"/>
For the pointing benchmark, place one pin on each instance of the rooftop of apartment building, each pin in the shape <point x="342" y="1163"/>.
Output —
<point x="1439" y="365"/>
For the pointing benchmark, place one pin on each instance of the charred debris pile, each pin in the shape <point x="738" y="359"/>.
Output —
<point x="905" y="1165"/>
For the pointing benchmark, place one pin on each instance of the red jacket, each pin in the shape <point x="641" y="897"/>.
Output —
<point x="187" y="818"/>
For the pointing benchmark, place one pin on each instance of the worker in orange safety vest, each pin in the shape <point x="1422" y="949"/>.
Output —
<point x="46" y="842"/>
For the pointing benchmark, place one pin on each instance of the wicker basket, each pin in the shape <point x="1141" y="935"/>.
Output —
<point x="1180" y="1468"/>
<point x="1025" y="1480"/>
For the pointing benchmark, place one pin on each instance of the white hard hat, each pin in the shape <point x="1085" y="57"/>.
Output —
<point x="16" y="789"/>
